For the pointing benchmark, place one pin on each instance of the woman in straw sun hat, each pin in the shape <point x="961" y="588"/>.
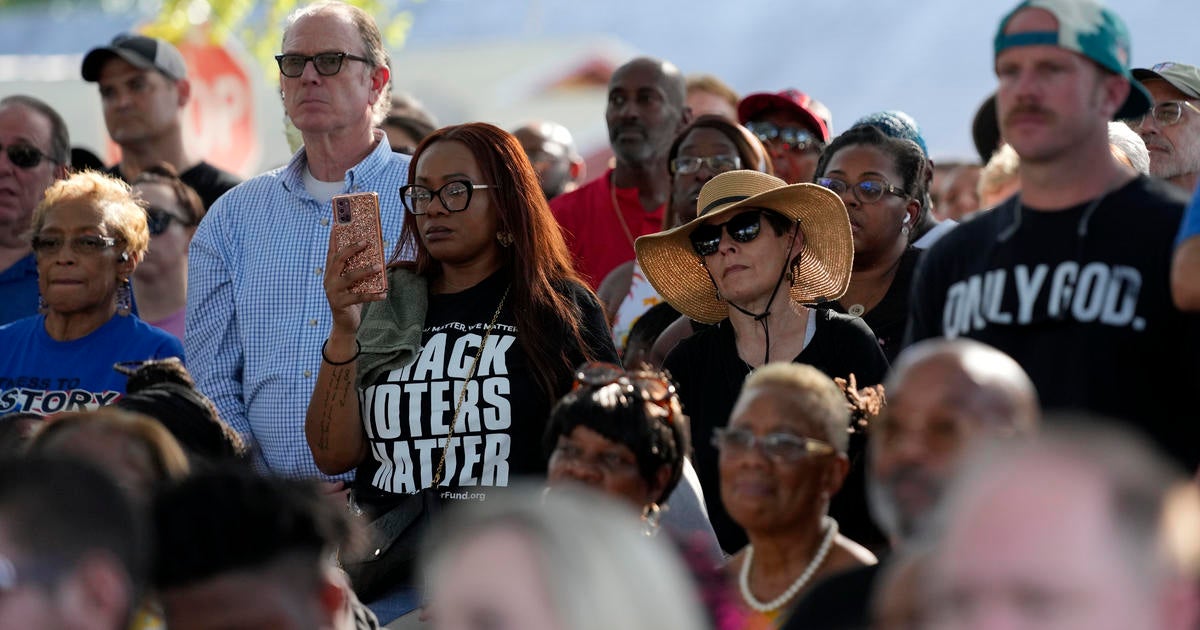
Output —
<point x="758" y="261"/>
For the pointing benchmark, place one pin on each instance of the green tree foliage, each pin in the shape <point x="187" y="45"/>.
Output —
<point x="258" y="24"/>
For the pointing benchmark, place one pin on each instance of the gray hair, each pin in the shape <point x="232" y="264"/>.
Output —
<point x="1127" y="141"/>
<point x="372" y="42"/>
<point x="602" y="571"/>
<point x="814" y="392"/>
<point x="60" y="138"/>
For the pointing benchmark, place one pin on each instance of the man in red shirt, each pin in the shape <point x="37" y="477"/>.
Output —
<point x="646" y="109"/>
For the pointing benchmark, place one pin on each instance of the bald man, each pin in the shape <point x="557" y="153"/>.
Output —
<point x="943" y="397"/>
<point x="551" y="149"/>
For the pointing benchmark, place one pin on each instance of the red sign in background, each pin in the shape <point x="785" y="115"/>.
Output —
<point x="219" y="124"/>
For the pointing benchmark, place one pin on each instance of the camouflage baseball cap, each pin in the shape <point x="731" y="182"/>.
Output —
<point x="1088" y="28"/>
<point x="1181" y="76"/>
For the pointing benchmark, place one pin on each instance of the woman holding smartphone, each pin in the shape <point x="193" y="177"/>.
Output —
<point x="475" y="339"/>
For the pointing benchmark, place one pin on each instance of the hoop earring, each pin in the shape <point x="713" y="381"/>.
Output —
<point x="505" y="238"/>
<point x="124" y="298"/>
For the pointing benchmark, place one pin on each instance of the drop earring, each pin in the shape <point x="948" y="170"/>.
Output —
<point x="505" y="238"/>
<point x="124" y="298"/>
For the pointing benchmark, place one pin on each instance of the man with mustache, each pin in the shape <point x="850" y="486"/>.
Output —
<point x="1071" y="276"/>
<point x="1171" y="128"/>
<point x="600" y="220"/>
<point x="943" y="397"/>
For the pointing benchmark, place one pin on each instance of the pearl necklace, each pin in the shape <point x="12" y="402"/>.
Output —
<point x="831" y="529"/>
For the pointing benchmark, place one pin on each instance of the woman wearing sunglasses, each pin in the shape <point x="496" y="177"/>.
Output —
<point x="89" y="234"/>
<point x="881" y="180"/>
<point x="759" y="261"/>
<point x="782" y="457"/>
<point x="173" y="211"/>
<point x="474" y="341"/>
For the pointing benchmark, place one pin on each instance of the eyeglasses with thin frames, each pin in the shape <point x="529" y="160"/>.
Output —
<point x="326" y="64"/>
<point x="796" y="139"/>
<point x="685" y="165"/>
<point x="866" y="191"/>
<point x="455" y="196"/>
<point x="84" y="244"/>
<point x="1165" y="114"/>
<point x="783" y="448"/>
<point x="24" y="156"/>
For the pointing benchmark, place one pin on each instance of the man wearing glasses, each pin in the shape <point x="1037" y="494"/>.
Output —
<point x="143" y="90"/>
<point x="1071" y="276"/>
<point x="1171" y="128"/>
<point x="256" y="308"/>
<point x="793" y="126"/>
<point x="35" y="151"/>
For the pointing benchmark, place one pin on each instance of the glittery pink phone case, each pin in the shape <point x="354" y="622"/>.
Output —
<point x="355" y="219"/>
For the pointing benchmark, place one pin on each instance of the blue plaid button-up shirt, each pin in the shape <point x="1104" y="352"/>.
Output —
<point x="256" y="308"/>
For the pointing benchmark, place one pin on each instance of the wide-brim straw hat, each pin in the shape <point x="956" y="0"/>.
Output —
<point x="822" y="275"/>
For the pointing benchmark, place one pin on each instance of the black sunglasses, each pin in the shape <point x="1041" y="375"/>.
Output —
<point x="25" y="156"/>
<point x="743" y="228"/>
<point x="158" y="220"/>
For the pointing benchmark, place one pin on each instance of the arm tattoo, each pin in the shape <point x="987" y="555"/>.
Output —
<point x="341" y="384"/>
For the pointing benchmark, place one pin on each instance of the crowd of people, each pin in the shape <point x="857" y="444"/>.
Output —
<point x="756" y="374"/>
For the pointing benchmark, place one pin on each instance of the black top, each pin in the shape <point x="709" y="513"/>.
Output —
<point x="1081" y="302"/>
<point x="208" y="181"/>
<point x="889" y="319"/>
<point x="498" y="434"/>
<point x="709" y="374"/>
<point x="841" y="601"/>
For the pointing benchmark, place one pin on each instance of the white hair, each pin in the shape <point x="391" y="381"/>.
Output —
<point x="1126" y="142"/>
<point x="601" y="569"/>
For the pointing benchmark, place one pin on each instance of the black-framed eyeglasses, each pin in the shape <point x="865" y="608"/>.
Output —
<point x="159" y="219"/>
<point x="455" y="196"/>
<point x="326" y="64"/>
<point x="716" y="164"/>
<point x="743" y="228"/>
<point x="26" y="156"/>
<point x="1165" y="114"/>
<point x="783" y="448"/>
<point x="85" y="244"/>
<point x="796" y="139"/>
<point x="866" y="191"/>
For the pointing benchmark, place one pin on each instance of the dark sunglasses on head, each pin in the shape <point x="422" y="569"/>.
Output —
<point x="158" y="220"/>
<point x="743" y="228"/>
<point x="25" y="156"/>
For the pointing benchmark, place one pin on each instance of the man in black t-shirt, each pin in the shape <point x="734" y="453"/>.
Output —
<point x="143" y="89"/>
<point x="1070" y="277"/>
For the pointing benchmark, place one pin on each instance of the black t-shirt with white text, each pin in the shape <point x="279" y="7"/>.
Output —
<point x="497" y="438"/>
<point x="1081" y="302"/>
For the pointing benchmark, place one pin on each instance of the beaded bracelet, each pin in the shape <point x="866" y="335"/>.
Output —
<point x="325" y="357"/>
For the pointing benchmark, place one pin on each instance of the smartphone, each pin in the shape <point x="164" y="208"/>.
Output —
<point x="355" y="219"/>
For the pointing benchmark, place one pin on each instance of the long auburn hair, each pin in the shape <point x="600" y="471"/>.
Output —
<point x="538" y="261"/>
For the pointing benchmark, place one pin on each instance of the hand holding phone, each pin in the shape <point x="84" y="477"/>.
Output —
<point x="356" y="219"/>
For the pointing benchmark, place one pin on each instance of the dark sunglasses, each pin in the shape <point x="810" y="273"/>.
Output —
<point x="158" y="220"/>
<point x="743" y="228"/>
<point x="25" y="156"/>
<point x="653" y="386"/>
